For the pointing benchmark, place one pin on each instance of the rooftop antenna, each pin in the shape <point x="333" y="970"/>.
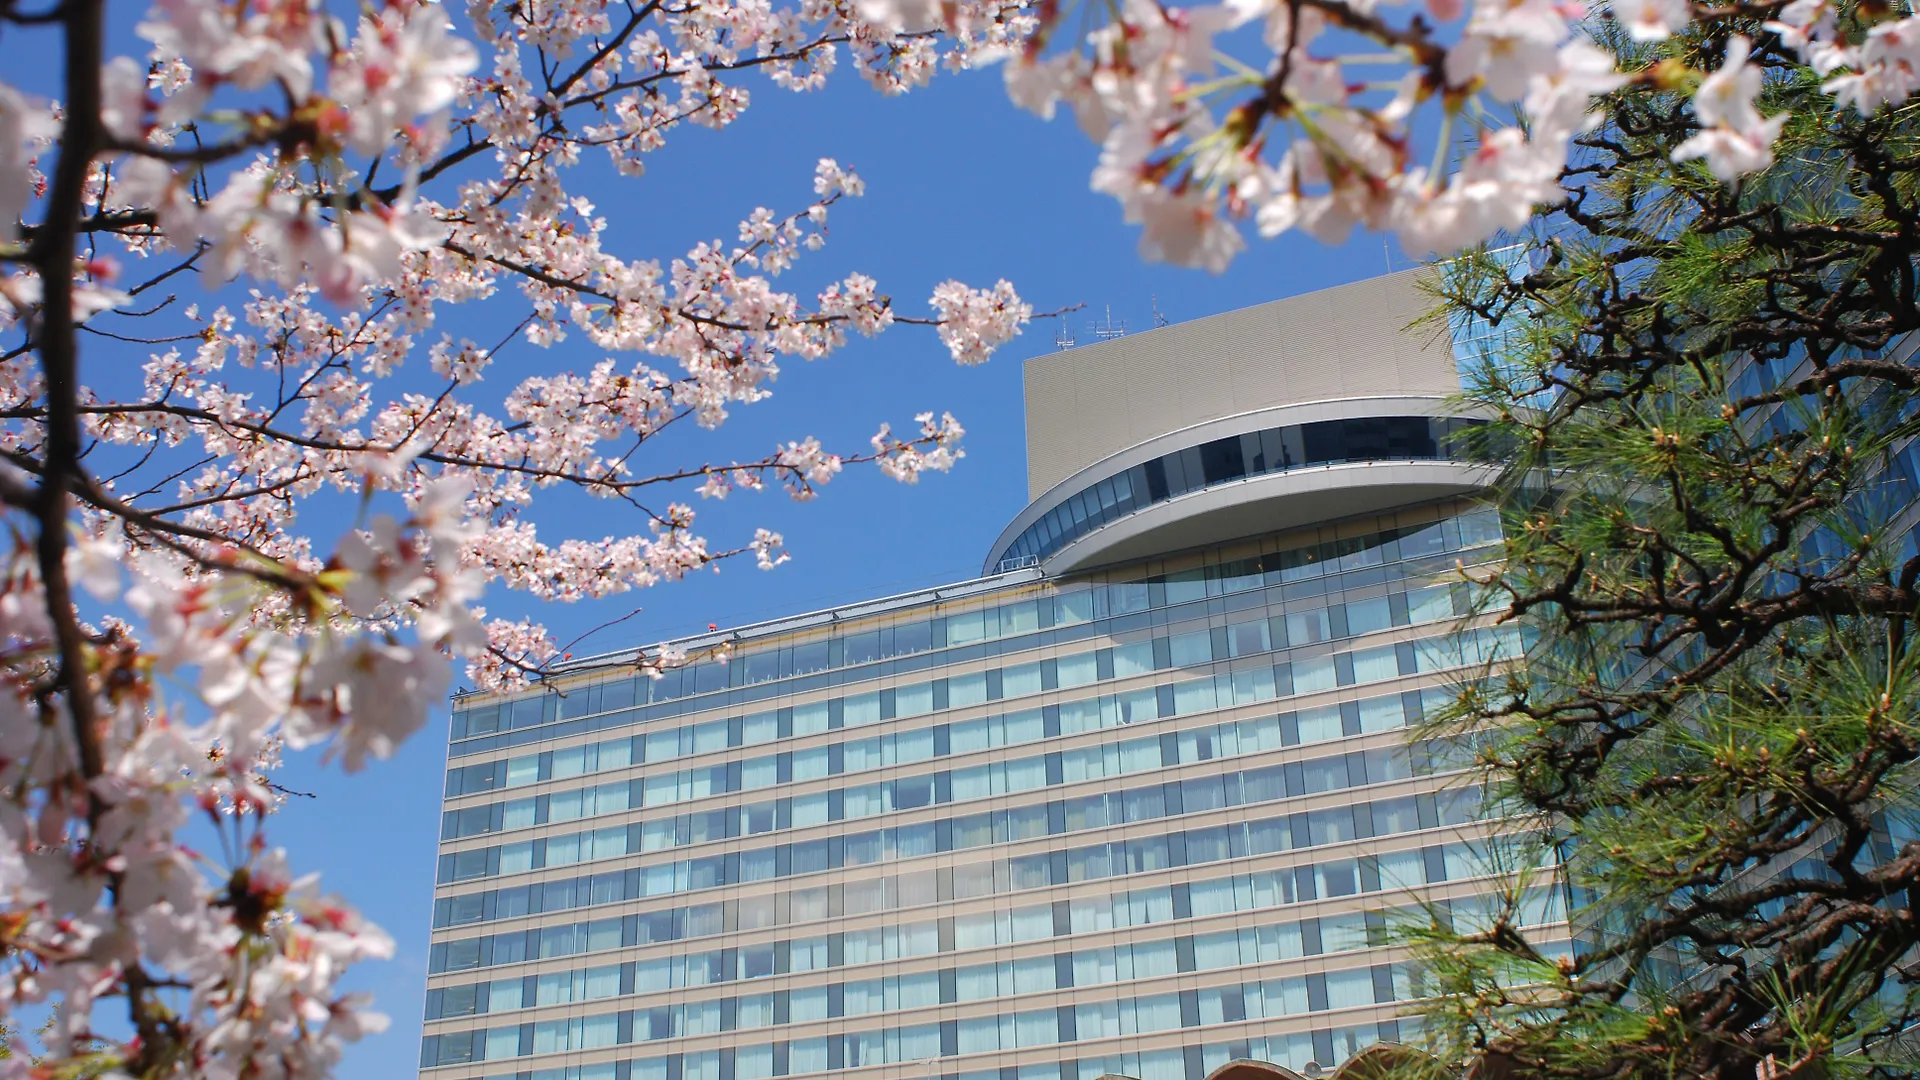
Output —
<point x="1107" y="329"/>
<point x="1159" y="320"/>
<point x="1063" y="337"/>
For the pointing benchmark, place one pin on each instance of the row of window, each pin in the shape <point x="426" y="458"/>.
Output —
<point x="1003" y="825"/>
<point x="1243" y="638"/>
<point x="1234" y="738"/>
<point x="1061" y="816"/>
<point x="860" y="997"/>
<point x="1272" y="450"/>
<point x="1079" y="968"/>
<point x="1119" y="858"/>
<point x="980" y="781"/>
<point x="1040" y="819"/>
<point x="1027" y="1029"/>
<point x="1138" y="907"/>
<point x="1091" y="610"/>
<point x="1305" y="1052"/>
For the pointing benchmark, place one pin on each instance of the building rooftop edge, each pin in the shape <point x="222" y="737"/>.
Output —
<point x="1174" y="329"/>
<point x="826" y="616"/>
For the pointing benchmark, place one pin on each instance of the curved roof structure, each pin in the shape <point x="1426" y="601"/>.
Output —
<point x="1309" y="409"/>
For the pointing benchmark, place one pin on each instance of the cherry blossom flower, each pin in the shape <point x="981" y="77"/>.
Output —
<point x="1734" y="139"/>
<point x="904" y="461"/>
<point x="1886" y="67"/>
<point x="25" y="129"/>
<point x="1507" y="43"/>
<point x="1187" y="229"/>
<point x="1653" y="20"/>
<point x="403" y="64"/>
<point x="1811" y="28"/>
<point x="975" y="322"/>
<point x="1497" y="188"/>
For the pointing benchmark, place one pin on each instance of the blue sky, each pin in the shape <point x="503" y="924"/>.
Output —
<point x="961" y="185"/>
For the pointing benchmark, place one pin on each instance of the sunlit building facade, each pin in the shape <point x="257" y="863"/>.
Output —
<point x="1139" y="800"/>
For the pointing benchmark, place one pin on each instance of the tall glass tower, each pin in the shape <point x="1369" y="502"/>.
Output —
<point x="1139" y="800"/>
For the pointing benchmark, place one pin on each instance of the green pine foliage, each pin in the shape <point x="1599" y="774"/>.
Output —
<point x="1700" y="395"/>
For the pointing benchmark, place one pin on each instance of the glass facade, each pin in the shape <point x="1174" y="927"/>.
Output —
<point x="1273" y="450"/>
<point x="1140" y="822"/>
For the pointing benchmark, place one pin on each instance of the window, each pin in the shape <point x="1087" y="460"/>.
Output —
<point x="861" y="709"/>
<point x="1020" y="680"/>
<point x="914" y="700"/>
<point x="663" y="745"/>
<point x="1139" y="755"/>
<point x="500" y="1043"/>
<point x="912" y="638"/>
<point x="1020" y="618"/>
<point x="1194" y="696"/>
<point x="1223" y="1006"/>
<point x="753" y="1061"/>
<point x="462" y="1000"/>
<point x="1259" y="734"/>
<point x="861" y="648"/>
<point x="803" y="1056"/>
<point x="1324" y="774"/>
<point x="810" y="764"/>
<point x="554" y="989"/>
<point x="754" y="1010"/>
<point x="1283" y="997"/>
<point x="978" y="1034"/>
<point x="1096" y="1021"/>
<point x="1153" y="1012"/>
<point x="808" y="1004"/>
<point x="1395" y="816"/>
<point x="966" y="689"/>
<point x="1314" y="674"/>
<point x="1382" y="714"/>
<point x="1346" y="989"/>
<point x="1366" y="616"/>
<point x="1249" y="638"/>
<point x="1374" y="665"/>
<point x="1309" y="626"/>
<point x="523" y="770"/>
<point x="1132" y="659"/>
<point x="1319" y="724"/>
<point x="1192" y="648"/>
<point x="1027" y="725"/>
<point x="808" y="719"/>
<point x="755" y="729"/>
<point x="1330" y="826"/>
<point x="1430" y="604"/>
<point x="1036" y="1028"/>
<point x="859" y="755"/>
<point x="1338" y="877"/>
<point x="1077" y="670"/>
<point x="914" y="991"/>
<point x="971" y="626"/>
<point x="759" y="772"/>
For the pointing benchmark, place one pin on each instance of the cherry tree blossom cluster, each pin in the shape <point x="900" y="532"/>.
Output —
<point x="1444" y="122"/>
<point x="258" y="481"/>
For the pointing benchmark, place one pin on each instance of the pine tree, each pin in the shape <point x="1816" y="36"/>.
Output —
<point x="1702" y="398"/>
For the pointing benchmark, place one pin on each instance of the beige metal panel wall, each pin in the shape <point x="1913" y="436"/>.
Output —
<point x="1348" y="341"/>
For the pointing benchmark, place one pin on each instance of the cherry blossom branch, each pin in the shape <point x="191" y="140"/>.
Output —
<point x="52" y="253"/>
<point x="311" y="164"/>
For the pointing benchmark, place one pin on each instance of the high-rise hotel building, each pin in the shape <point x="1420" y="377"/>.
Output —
<point x="1140" y="799"/>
